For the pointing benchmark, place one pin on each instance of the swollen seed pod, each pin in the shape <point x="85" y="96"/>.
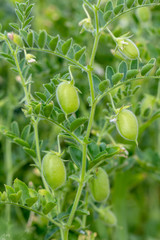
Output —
<point x="108" y="217"/>
<point x="99" y="185"/>
<point x="67" y="97"/>
<point x="54" y="171"/>
<point x="127" y="125"/>
<point x="127" y="48"/>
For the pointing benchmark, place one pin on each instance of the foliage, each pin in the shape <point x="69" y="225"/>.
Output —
<point x="107" y="77"/>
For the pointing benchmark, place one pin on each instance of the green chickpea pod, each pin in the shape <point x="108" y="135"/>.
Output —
<point x="54" y="171"/>
<point x="67" y="97"/>
<point x="99" y="185"/>
<point x="127" y="125"/>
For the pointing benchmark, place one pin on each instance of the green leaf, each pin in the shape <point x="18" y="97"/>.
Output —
<point x="158" y="72"/>
<point x="130" y="3"/>
<point x="136" y="89"/>
<point x="134" y="64"/>
<point x="21" y="142"/>
<point x="152" y="60"/>
<point x="19" y="15"/>
<point x="108" y="6"/>
<point x="76" y="155"/>
<point x="79" y="53"/>
<point x="66" y="46"/>
<point x="101" y="157"/>
<point x="10" y="135"/>
<point x="123" y="69"/>
<point x="49" y="87"/>
<point x="82" y="212"/>
<point x="61" y="117"/>
<point x="116" y="78"/>
<point x="140" y="2"/>
<point x="48" y="207"/>
<point x="146" y="68"/>
<point x="37" y="109"/>
<point x="25" y="132"/>
<point x="14" y="25"/>
<point x="15" y="197"/>
<point x="42" y="39"/>
<point x="48" y="109"/>
<point x="19" y="185"/>
<point x="30" y="201"/>
<point x="118" y="9"/>
<point x="28" y="10"/>
<point x="104" y="85"/>
<point x="53" y="43"/>
<point x="30" y="151"/>
<point x="107" y="15"/>
<point x="24" y="35"/>
<point x="108" y="74"/>
<point x="15" y="128"/>
<point x="93" y="149"/>
<point x="30" y="39"/>
<point x="77" y="123"/>
<point x="50" y="232"/>
<point x="96" y="82"/>
<point x="41" y="96"/>
<point x="132" y="73"/>
<point x="27" y="22"/>
<point x="9" y="190"/>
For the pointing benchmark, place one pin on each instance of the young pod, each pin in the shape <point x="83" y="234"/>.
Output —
<point x="108" y="217"/>
<point x="127" y="48"/>
<point x="99" y="185"/>
<point x="54" y="171"/>
<point x="127" y="125"/>
<point x="67" y="97"/>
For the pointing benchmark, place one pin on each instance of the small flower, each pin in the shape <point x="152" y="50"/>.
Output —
<point x="86" y="25"/>
<point x="30" y="58"/>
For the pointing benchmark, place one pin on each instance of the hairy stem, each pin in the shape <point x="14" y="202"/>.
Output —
<point x="86" y="138"/>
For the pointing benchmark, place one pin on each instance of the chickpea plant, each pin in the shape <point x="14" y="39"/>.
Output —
<point x="58" y="105"/>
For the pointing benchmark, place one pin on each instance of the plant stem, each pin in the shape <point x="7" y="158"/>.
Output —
<point x="91" y="118"/>
<point x="9" y="174"/>
<point x="8" y="151"/>
<point x="158" y="99"/>
<point x="35" y="125"/>
<point x="96" y="38"/>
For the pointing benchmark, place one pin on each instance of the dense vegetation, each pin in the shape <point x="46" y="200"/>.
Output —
<point x="79" y="120"/>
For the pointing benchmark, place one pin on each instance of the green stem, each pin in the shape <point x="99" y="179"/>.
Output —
<point x="158" y="98"/>
<point x="62" y="127"/>
<point x="121" y="84"/>
<point x="59" y="55"/>
<point x="112" y="103"/>
<point x="91" y="118"/>
<point x="98" y="3"/>
<point x="86" y="207"/>
<point x="96" y="38"/>
<point x="33" y="210"/>
<point x="113" y="37"/>
<point x="35" y="125"/>
<point x="129" y="10"/>
<point x="8" y="151"/>
<point x="9" y="174"/>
